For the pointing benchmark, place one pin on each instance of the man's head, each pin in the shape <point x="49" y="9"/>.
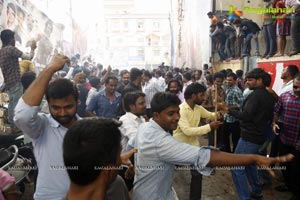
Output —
<point x="239" y="73"/>
<point x="289" y="72"/>
<point x="255" y="78"/>
<point x="198" y="74"/>
<point x="125" y="75"/>
<point x="296" y="85"/>
<point x="186" y="77"/>
<point x="21" y="16"/>
<point x="174" y="86"/>
<point x="11" y="13"/>
<point x="237" y="22"/>
<point x="210" y="15"/>
<point x="111" y="85"/>
<point x="165" y="109"/>
<point x="8" y="37"/>
<point x="158" y="73"/>
<point x="62" y="98"/>
<point x="91" y="149"/>
<point x="135" y="103"/>
<point x="95" y="82"/>
<point x="136" y="76"/>
<point x="231" y="79"/>
<point x="195" y="92"/>
<point x="168" y="77"/>
<point x="218" y="79"/>
<point x="147" y="76"/>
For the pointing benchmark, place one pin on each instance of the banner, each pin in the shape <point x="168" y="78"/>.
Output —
<point x="30" y="24"/>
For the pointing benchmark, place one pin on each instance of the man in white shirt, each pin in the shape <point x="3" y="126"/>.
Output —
<point x="135" y="105"/>
<point x="287" y="76"/>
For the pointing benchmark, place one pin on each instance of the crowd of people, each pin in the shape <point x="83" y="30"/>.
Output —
<point x="95" y="120"/>
<point x="232" y="35"/>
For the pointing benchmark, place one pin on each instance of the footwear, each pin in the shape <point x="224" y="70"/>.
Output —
<point x="269" y="56"/>
<point x="294" y="52"/>
<point x="282" y="188"/>
<point x="256" y="196"/>
<point x="257" y="53"/>
<point x="278" y="55"/>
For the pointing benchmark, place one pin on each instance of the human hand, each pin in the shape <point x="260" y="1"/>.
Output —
<point x="59" y="61"/>
<point x="222" y="106"/>
<point x="274" y="128"/>
<point x="129" y="173"/>
<point x="264" y="162"/>
<point x="109" y="68"/>
<point x="33" y="45"/>
<point x="215" y="124"/>
<point x="125" y="157"/>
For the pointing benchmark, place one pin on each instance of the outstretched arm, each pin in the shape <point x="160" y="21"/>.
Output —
<point x="34" y="94"/>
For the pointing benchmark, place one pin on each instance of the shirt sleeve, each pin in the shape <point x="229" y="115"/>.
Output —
<point x="15" y="52"/>
<point x="28" y="120"/>
<point x="172" y="151"/>
<point x="93" y="103"/>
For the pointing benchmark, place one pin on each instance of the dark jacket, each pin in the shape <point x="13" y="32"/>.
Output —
<point x="256" y="115"/>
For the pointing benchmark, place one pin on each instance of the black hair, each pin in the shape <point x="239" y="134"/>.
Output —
<point x="293" y="70"/>
<point x="210" y="13"/>
<point x="94" y="81"/>
<point x="125" y="71"/>
<point x="130" y="99"/>
<point x="233" y="75"/>
<point x="176" y="81"/>
<point x="159" y="73"/>
<point x="237" y="21"/>
<point x="110" y="78"/>
<point x="220" y="25"/>
<point x="209" y="78"/>
<point x="267" y="79"/>
<point x="176" y="69"/>
<point x="205" y="66"/>
<point x="7" y="36"/>
<point x="239" y="72"/>
<point x="187" y="76"/>
<point x="219" y="75"/>
<point x="194" y="88"/>
<point x="135" y="73"/>
<point x="61" y="88"/>
<point x="147" y="74"/>
<point x="163" y="100"/>
<point x="256" y="73"/>
<point x="169" y="75"/>
<point x="90" y="145"/>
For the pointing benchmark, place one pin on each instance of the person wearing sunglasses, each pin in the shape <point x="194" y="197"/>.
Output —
<point x="288" y="107"/>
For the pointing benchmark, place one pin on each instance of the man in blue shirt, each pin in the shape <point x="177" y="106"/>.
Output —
<point x="159" y="152"/>
<point x="107" y="102"/>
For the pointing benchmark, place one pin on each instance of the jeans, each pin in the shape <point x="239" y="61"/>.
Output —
<point x="247" y="44"/>
<point x="290" y="170"/>
<point x="269" y="32"/>
<point x="14" y="95"/>
<point x="234" y="130"/>
<point x="196" y="185"/>
<point x="295" y="32"/>
<point x="242" y="174"/>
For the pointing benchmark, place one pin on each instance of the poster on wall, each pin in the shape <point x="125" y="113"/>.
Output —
<point x="32" y="25"/>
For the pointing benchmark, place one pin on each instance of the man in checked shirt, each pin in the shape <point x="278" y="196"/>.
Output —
<point x="288" y="107"/>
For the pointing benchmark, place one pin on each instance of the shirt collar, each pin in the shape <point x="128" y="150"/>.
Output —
<point x="157" y="126"/>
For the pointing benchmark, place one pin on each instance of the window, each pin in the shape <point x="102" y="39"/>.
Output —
<point x="156" y="52"/>
<point x="125" y="26"/>
<point x="115" y="26"/>
<point x="140" y="52"/>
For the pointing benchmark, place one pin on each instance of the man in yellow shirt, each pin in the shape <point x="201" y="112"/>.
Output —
<point x="191" y="112"/>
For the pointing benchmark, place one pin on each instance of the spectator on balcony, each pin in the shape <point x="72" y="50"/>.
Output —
<point x="282" y="28"/>
<point x="212" y="17"/>
<point x="269" y="31"/>
<point x="219" y="35"/>
<point x="295" y="26"/>
<point x="249" y="30"/>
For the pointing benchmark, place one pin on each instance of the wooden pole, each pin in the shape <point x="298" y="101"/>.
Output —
<point x="216" y="101"/>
